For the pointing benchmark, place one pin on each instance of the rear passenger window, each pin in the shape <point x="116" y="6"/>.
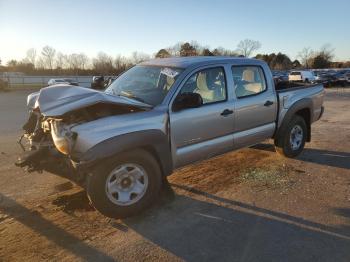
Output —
<point x="248" y="80"/>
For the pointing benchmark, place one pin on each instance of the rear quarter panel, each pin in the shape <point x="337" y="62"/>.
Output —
<point x="289" y="98"/>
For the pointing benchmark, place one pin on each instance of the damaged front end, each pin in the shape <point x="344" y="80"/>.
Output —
<point x="46" y="144"/>
<point x="48" y="141"/>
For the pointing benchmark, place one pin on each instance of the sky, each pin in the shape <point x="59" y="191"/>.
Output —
<point x="121" y="27"/>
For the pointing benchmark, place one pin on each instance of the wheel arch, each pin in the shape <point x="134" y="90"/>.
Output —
<point x="154" y="142"/>
<point x="302" y="108"/>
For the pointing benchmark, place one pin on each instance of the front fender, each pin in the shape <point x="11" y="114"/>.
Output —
<point x="154" y="141"/>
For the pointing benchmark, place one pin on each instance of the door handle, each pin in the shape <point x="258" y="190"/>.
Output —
<point x="226" y="112"/>
<point x="268" y="103"/>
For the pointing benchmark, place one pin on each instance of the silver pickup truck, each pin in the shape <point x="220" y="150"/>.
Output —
<point x="158" y="116"/>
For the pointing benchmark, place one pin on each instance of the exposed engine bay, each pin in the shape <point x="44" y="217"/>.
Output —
<point x="48" y="141"/>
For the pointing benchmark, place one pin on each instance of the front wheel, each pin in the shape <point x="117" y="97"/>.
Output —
<point x="125" y="185"/>
<point x="291" y="141"/>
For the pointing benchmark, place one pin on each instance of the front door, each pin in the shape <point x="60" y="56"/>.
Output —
<point x="199" y="133"/>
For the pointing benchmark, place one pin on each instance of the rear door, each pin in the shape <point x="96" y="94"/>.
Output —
<point x="199" y="133"/>
<point x="255" y="106"/>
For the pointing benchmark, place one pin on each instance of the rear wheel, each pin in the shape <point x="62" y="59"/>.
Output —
<point x="125" y="185"/>
<point x="291" y="140"/>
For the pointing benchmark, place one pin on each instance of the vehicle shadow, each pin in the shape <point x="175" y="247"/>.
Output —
<point x="51" y="231"/>
<point x="219" y="229"/>
<point x="318" y="156"/>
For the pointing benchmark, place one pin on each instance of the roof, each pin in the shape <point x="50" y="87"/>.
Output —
<point x="184" y="62"/>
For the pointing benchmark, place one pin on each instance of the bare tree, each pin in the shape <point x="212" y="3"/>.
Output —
<point x="247" y="47"/>
<point x="61" y="60"/>
<point x="40" y="63"/>
<point x="138" y="57"/>
<point x="31" y="56"/>
<point x="83" y="60"/>
<point x="103" y="63"/>
<point x="48" y="54"/>
<point x="305" y="56"/>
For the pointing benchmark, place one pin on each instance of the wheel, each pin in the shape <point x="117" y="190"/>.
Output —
<point x="125" y="185"/>
<point x="291" y="140"/>
<point x="306" y="80"/>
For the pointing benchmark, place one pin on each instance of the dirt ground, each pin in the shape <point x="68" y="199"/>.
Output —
<point x="248" y="205"/>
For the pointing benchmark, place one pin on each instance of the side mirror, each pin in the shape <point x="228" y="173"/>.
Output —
<point x="187" y="100"/>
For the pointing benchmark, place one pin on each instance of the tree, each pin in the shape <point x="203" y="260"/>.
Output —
<point x="248" y="46"/>
<point x="162" y="53"/>
<point x="277" y="62"/>
<point x="327" y="51"/>
<point x="206" y="52"/>
<point x="61" y="60"/>
<point x="103" y="63"/>
<point x="296" y="64"/>
<point x="305" y="56"/>
<point x="12" y="63"/>
<point x="83" y="60"/>
<point x="187" y="50"/>
<point x="323" y="58"/>
<point x="31" y="56"/>
<point x="320" y="61"/>
<point x="138" y="57"/>
<point x="48" y="54"/>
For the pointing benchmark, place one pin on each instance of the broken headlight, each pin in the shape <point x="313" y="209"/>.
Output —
<point x="63" y="137"/>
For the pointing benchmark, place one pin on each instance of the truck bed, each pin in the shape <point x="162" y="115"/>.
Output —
<point x="284" y="86"/>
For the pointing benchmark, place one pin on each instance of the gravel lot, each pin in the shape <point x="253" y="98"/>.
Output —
<point x="248" y="205"/>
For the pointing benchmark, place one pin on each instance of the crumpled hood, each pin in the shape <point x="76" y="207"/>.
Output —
<point x="57" y="100"/>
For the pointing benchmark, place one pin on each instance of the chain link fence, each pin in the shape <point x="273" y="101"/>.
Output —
<point x="20" y="81"/>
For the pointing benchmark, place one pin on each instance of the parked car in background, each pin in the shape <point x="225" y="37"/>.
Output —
<point x="302" y="76"/>
<point x="100" y="82"/>
<point x="347" y="78"/>
<point x="341" y="78"/>
<point x="66" y="81"/>
<point x="280" y="76"/>
<point x="71" y="81"/>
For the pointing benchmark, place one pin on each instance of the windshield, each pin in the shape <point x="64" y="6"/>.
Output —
<point x="148" y="84"/>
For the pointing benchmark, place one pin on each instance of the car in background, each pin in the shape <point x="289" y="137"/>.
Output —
<point x="280" y="76"/>
<point x="100" y="82"/>
<point x="347" y="78"/>
<point x="67" y="81"/>
<point x="326" y="79"/>
<point x="302" y="76"/>
<point x="71" y="81"/>
<point x="342" y="78"/>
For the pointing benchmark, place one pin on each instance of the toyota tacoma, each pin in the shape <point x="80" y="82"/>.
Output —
<point x="158" y="116"/>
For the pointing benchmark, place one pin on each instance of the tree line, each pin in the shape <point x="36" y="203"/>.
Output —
<point x="49" y="61"/>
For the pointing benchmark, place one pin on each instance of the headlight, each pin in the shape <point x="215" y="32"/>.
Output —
<point x="62" y="137"/>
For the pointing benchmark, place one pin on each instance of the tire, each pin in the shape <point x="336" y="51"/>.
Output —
<point x="284" y="142"/>
<point x="111" y="204"/>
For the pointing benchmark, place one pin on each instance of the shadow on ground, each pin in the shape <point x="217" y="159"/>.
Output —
<point x="51" y="231"/>
<point x="197" y="230"/>
<point x="318" y="156"/>
<point x="210" y="229"/>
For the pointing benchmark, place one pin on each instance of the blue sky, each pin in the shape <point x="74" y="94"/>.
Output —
<point x="121" y="27"/>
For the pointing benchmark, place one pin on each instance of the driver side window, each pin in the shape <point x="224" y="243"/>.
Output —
<point x="209" y="83"/>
